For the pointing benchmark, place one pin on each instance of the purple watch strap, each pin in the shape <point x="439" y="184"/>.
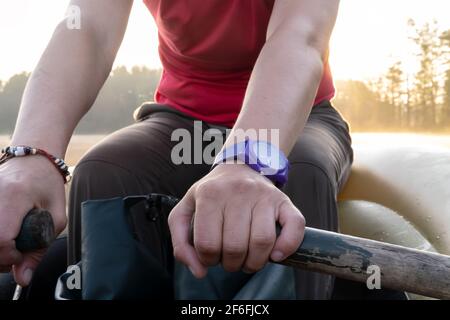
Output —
<point x="244" y="152"/>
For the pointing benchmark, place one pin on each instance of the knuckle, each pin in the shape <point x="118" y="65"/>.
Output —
<point x="271" y="190"/>
<point x="171" y="219"/>
<point x="285" y="204"/>
<point x="291" y="244"/>
<point x="297" y="216"/>
<point x="265" y="204"/>
<point x="282" y="198"/>
<point x="234" y="250"/>
<point x="242" y="186"/>
<point x="262" y="240"/>
<point x="206" y="248"/>
<point x="302" y="220"/>
<point x="208" y="190"/>
<point x="177" y="252"/>
<point x="174" y="217"/>
<point x="274" y="196"/>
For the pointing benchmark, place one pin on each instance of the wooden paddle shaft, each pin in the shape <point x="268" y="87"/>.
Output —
<point x="351" y="258"/>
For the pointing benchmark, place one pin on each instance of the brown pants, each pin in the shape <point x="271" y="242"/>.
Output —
<point x="137" y="160"/>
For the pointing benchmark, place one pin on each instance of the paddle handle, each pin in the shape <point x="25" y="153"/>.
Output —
<point x="37" y="231"/>
<point x="353" y="258"/>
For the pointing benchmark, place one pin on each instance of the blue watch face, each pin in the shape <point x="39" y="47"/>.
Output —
<point x="269" y="156"/>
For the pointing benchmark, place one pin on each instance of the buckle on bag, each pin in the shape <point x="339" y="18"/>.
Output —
<point x="155" y="202"/>
<point x="151" y="204"/>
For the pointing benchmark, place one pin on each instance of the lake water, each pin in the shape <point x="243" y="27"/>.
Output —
<point x="404" y="139"/>
<point x="81" y="143"/>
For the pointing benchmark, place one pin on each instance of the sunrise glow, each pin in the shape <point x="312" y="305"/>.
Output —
<point x="368" y="38"/>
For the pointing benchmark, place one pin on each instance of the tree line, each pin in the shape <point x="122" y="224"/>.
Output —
<point x="113" y="109"/>
<point x="400" y="101"/>
<point x="397" y="101"/>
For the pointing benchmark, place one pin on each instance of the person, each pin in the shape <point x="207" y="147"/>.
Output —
<point x="242" y="65"/>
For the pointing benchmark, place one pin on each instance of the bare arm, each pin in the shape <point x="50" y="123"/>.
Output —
<point x="288" y="71"/>
<point x="60" y="91"/>
<point x="70" y="74"/>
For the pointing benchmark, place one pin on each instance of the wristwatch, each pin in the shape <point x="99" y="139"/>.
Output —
<point x="261" y="156"/>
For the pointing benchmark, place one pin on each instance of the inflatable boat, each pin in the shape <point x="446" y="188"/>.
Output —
<point x="399" y="194"/>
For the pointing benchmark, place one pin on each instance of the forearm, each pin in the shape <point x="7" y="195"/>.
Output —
<point x="61" y="89"/>
<point x="287" y="75"/>
<point x="281" y="91"/>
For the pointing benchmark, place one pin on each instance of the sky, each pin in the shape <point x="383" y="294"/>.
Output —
<point x="369" y="36"/>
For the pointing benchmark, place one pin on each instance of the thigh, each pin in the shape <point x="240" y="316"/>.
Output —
<point x="132" y="161"/>
<point x="320" y="164"/>
<point x="325" y="144"/>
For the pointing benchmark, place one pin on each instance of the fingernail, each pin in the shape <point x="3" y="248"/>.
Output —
<point x="277" y="256"/>
<point x="27" y="276"/>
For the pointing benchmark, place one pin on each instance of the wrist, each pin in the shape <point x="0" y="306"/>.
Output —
<point x="56" y="148"/>
<point x="240" y="171"/>
<point x="260" y="156"/>
<point x="235" y="166"/>
<point x="36" y="168"/>
<point x="21" y="152"/>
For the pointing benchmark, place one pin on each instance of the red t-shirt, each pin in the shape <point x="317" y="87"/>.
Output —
<point x="208" y="49"/>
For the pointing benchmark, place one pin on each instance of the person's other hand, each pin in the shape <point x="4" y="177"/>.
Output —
<point x="27" y="183"/>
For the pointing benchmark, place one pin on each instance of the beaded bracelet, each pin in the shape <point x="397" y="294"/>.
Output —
<point x="22" y="151"/>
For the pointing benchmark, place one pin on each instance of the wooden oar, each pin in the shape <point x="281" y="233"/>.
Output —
<point x="351" y="258"/>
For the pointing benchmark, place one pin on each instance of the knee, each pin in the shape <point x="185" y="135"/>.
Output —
<point x="117" y="166"/>
<point x="104" y="170"/>
<point x="95" y="179"/>
<point x="105" y="162"/>
<point x="106" y="150"/>
<point x="91" y="164"/>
